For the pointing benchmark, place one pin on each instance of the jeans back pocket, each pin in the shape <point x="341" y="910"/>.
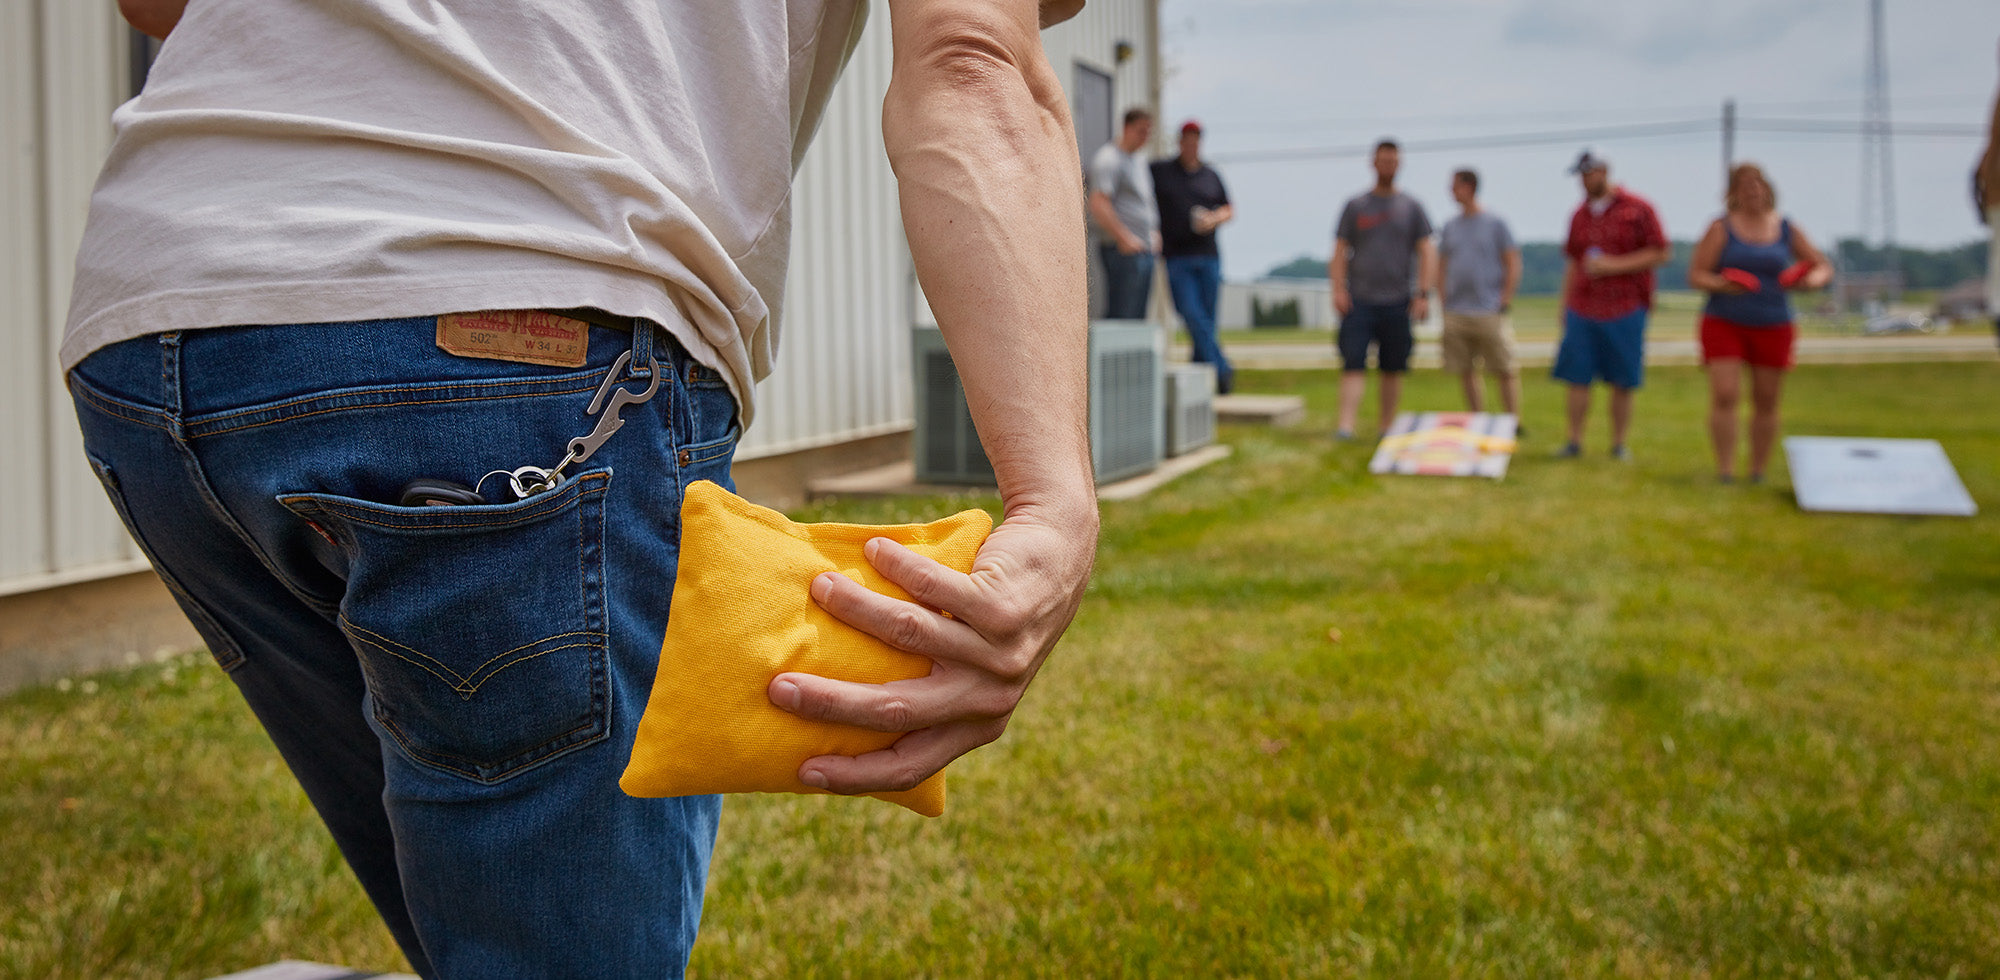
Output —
<point x="480" y="629"/>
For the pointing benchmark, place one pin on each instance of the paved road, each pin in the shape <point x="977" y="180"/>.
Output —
<point x="1964" y="346"/>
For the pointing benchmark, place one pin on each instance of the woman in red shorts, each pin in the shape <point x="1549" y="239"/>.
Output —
<point x="1746" y="261"/>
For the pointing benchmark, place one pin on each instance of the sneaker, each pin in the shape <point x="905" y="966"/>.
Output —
<point x="1569" y="450"/>
<point x="1621" y="454"/>
<point x="1756" y="479"/>
<point x="1343" y="435"/>
<point x="1724" y="479"/>
<point x="1520" y="431"/>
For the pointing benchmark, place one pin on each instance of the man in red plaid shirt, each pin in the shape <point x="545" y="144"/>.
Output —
<point x="1615" y="243"/>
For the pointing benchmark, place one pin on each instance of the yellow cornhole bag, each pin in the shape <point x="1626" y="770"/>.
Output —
<point x="742" y="614"/>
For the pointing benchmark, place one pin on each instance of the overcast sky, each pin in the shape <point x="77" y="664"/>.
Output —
<point x="1270" y="76"/>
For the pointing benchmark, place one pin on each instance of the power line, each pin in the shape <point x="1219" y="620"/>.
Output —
<point x="1233" y="125"/>
<point x="1599" y="133"/>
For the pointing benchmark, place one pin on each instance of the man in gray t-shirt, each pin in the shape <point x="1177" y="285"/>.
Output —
<point x="1383" y="237"/>
<point x="1125" y="217"/>
<point x="1480" y="267"/>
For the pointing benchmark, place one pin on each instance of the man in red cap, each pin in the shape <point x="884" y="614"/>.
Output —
<point x="1193" y="204"/>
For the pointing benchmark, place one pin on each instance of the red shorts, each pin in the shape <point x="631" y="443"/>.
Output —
<point x="1760" y="346"/>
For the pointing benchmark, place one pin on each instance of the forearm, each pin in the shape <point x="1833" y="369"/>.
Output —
<point x="155" y="18"/>
<point x="979" y="135"/>
<point x="1638" y="261"/>
<point x="1512" y="281"/>
<point x="1427" y="268"/>
<point x="1336" y="269"/>
<point x="1989" y="165"/>
<point x="1707" y="280"/>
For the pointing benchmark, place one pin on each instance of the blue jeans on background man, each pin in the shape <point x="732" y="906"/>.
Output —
<point x="1195" y="281"/>
<point x="1128" y="283"/>
<point x="455" y="687"/>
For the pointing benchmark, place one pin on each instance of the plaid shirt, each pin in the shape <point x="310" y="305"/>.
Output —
<point x="1627" y="225"/>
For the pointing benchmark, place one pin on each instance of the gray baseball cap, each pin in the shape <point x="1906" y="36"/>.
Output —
<point x="1588" y="161"/>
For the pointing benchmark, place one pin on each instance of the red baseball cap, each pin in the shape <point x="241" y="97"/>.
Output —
<point x="1191" y="127"/>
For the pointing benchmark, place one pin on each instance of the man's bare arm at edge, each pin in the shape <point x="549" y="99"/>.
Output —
<point x="978" y="131"/>
<point x="153" y="18"/>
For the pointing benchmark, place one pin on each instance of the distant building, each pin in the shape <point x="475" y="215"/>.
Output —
<point x="1856" y="290"/>
<point x="1963" y="302"/>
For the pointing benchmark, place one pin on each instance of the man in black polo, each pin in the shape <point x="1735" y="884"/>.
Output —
<point x="1192" y="205"/>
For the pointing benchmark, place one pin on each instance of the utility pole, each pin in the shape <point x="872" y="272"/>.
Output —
<point x="1728" y="138"/>
<point x="1878" y="185"/>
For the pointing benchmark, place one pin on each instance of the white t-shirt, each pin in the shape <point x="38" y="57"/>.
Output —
<point x="293" y="161"/>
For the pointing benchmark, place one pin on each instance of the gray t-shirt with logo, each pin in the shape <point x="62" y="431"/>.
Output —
<point x="1474" y="249"/>
<point x="1128" y="181"/>
<point x="1383" y="232"/>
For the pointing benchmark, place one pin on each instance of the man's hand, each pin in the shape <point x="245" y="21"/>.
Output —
<point x="1343" y="304"/>
<point x="1129" y="244"/>
<point x="988" y="633"/>
<point x="1420" y="308"/>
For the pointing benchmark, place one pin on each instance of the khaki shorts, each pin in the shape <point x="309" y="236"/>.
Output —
<point x="1472" y="338"/>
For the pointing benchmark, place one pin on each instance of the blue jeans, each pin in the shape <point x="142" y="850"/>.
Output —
<point x="1196" y="284"/>
<point x="455" y="687"/>
<point x="1128" y="282"/>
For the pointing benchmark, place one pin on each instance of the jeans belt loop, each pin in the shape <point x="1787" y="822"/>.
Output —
<point x="642" y="348"/>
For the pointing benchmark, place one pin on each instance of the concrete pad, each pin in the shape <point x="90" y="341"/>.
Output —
<point x="1167" y="471"/>
<point x="1277" y="410"/>
<point x="900" y="480"/>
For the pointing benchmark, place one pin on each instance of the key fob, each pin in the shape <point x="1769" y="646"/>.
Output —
<point x="425" y="492"/>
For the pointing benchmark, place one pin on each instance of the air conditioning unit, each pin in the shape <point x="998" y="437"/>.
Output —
<point x="947" y="449"/>
<point x="1190" y="414"/>
<point x="1127" y="396"/>
<point x="1128" y="360"/>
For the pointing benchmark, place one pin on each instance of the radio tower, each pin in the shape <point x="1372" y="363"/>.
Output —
<point x="1878" y="185"/>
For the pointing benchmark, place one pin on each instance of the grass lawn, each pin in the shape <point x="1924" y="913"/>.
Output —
<point x="1595" y="720"/>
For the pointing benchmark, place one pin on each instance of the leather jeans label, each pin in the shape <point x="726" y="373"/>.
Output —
<point x="523" y="336"/>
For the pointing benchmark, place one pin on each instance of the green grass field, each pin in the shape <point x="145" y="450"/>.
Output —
<point x="1594" y="720"/>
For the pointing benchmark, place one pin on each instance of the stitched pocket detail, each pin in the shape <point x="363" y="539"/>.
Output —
<point x="481" y="630"/>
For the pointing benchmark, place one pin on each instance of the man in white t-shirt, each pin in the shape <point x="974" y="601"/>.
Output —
<point x="362" y="286"/>
<point x="1127" y="217"/>
<point x="1479" y="268"/>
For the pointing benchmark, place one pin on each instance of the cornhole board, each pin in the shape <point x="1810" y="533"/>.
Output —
<point x="1447" y="444"/>
<point x="1875" y="476"/>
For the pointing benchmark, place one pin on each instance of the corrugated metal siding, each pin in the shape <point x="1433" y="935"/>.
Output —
<point x="843" y="366"/>
<point x="843" y="369"/>
<point x="66" y="70"/>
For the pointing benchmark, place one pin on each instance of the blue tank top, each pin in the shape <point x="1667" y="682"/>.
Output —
<point x="1768" y="306"/>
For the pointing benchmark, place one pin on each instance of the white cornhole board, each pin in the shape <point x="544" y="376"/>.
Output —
<point x="1875" y="476"/>
<point x="1446" y="444"/>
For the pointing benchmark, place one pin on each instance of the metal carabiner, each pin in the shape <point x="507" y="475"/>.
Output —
<point x="581" y="447"/>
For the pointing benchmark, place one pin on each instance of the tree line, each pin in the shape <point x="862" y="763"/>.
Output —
<point x="1542" y="265"/>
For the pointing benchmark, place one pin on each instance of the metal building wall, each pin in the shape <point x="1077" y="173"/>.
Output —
<point x="843" y="366"/>
<point x="64" y="66"/>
